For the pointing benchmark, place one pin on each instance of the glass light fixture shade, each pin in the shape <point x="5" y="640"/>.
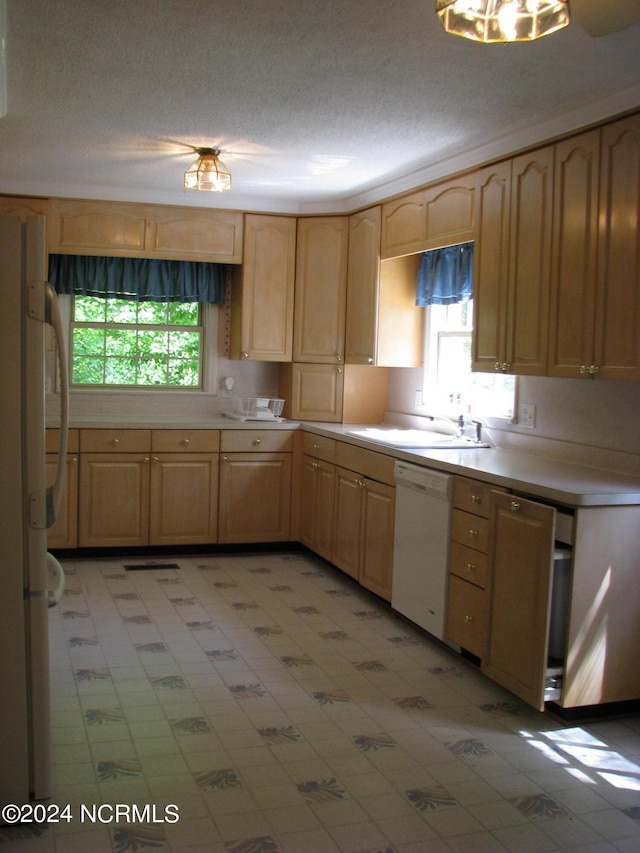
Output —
<point x="503" y="20"/>
<point x="208" y="172"/>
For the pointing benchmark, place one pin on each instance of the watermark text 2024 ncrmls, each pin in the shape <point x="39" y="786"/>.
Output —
<point x="128" y="813"/>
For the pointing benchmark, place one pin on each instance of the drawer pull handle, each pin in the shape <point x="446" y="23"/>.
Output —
<point x="515" y="506"/>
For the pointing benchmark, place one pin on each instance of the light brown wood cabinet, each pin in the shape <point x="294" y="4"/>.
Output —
<point x="595" y="314"/>
<point x="440" y="215"/>
<point x="384" y="325"/>
<point x="263" y="290"/>
<point x="514" y="219"/>
<point x="143" y="487"/>
<point x="255" y="486"/>
<point x="22" y="206"/>
<point x="364" y="514"/>
<point x="320" y="290"/>
<point x="317" y="494"/>
<point x="467" y="596"/>
<point x="522" y="536"/>
<point x="138" y="230"/>
<point x="350" y="393"/>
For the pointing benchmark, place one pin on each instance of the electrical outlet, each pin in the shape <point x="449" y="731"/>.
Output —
<point x="527" y="415"/>
<point x="418" y="402"/>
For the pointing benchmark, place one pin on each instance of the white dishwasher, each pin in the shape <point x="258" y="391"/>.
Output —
<point x="421" y="545"/>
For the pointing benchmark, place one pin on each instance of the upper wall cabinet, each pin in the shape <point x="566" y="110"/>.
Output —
<point x="440" y="215"/>
<point x="138" y="230"/>
<point x="262" y="293"/>
<point x="595" y="317"/>
<point x="321" y="289"/>
<point x="384" y="325"/>
<point x="23" y="207"/>
<point x="512" y="264"/>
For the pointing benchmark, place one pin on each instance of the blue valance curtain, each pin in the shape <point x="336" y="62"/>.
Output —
<point x="138" y="279"/>
<point x="446" y="276"/>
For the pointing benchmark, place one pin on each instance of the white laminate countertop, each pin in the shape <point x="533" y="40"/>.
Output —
<point x="532" y="474"/>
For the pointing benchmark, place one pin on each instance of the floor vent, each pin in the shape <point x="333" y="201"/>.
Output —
<point x="149" y="565"/>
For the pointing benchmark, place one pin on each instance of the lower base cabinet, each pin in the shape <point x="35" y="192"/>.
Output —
<point x="183" y="507"/>
<point x="255" y="491"/>
<point x="316" y="512"/>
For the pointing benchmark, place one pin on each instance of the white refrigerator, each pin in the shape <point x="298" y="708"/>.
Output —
<point x="28" y="506"/>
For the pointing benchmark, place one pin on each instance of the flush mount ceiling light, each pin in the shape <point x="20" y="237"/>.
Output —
<point x="208" y="173"/>
<point x="502" y="20"/>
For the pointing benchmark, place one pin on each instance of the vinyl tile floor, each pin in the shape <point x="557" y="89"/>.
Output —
<point x="265" y="703"/>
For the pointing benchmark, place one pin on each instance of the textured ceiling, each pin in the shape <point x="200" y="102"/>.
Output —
<point x="317" y="106"/>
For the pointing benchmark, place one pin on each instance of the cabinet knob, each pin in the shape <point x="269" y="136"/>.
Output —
<point x="471" y="567"/>
<point x="338" y="358"/>
<point x="186" y="441"/>
<point x="155" y="459"/>
<point x="468" y="620"/>
<point x="245" y="355"/>
<point x="338" y="370"/>
<point x="369" y="360"/>
<point x="515" y="506"/>
<point x="593" y="369"/>
<point x="256" y="441"/>
<point x="74" y="459"/>
<point x="476" y="499"/>
<point x="226" y="458"/>
<point x="146" y="459"/>
<point x="116" y="441"/>
<point x="472" y="533"/>
<point x="316" y="447"/>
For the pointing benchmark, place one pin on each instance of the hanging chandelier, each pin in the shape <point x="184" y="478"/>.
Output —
<point x="502" y="20"/>
<point x="208" y="172"/>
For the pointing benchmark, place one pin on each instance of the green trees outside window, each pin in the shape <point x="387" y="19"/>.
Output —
<point x="116" y="342"/>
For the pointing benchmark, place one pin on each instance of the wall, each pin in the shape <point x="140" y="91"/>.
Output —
<point x="593" y="422"/>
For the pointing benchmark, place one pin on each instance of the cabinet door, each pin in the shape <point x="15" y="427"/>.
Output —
<point x="184" y="498"/>
<point x="521" y="558"/>
<point x="180" y="233"/>
<point x="404" y="225"/>
<point x="113" y="499"/>
<point x="321" y="288"/>
<point x="376" y="561"/>
<point x="467" y="615"/>
<point x="262" y="300"/>
<point x="450" y="212"/>
<point x="573" y="274"/>
<point x="23" y="207"/>
<point x="64" y="532"/>
<point x="362" y="286"/>
<point x="316" y="514"/>
<point x="255" y="497"/>
<point x="617" y="343"/>
<point x="97" y="228"/>
<point x="491" y="267"/>
<point x="313" y="392"/>
<point x="529" y="262"/>
<point x="347" y="522"/>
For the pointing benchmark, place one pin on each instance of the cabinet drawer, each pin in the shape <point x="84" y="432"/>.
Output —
<point x="53" y="437"/>
<point x="185" y="440"/>
<point x="368" y="463"/>
<point x="472" y="496"/>
<point x="467" y="616"/>
<point x="115" y="440"/>
<point x="256" y="440"/>
<point x="319" y="446"/>
<point x="468" y="564"/>
<point x="470" y="530"/>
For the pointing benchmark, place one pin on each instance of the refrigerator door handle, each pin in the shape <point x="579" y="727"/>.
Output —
<point x="54" y="492"/>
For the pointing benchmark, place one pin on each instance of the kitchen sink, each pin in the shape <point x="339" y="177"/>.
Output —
<point x="421" y="439"/>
